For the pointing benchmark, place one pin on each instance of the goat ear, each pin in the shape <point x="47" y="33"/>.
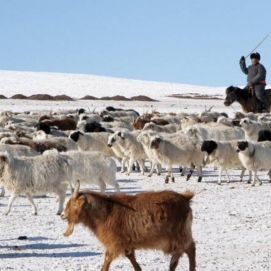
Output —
<point x="76" y="189"/>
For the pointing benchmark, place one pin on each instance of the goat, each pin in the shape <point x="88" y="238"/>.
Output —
<point x="29" y="175"/>
<point x="91" y="168"/>
<point x="65" y="124"/>
<point x="130" y="147"/>
<point x="122" y="223"/>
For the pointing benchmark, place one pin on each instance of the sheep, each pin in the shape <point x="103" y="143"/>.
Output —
<point x="131" y="148"/>
<point x="160" y="220"/>
<point x="91" y="168"/>
<point x="255" y="157"/>
<point x="92" y="142"/>
<point x="215" y="131"/>
<point x="29" y="175"/>
<point x="223" y="154"/>
<point x="169" y="154"/>
<point x="169" y="128"/>
<point x="251" y="128"/>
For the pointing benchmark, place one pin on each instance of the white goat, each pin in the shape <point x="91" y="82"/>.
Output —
<point x="32" y="175"/>
<point x="144" y="139"/>
<point x="131" y="148"/>
<point x="16" y="150"/>
<point x="91" y="168"/>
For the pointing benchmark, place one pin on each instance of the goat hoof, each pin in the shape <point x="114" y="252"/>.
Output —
<point x="240" y="180"/>
<point x="219" y="183"/>
<point x="149" y="175"/>
<point x="253" y="185"/>
<point x="166" y="180"/>
<point x="260" y="183"/>
<point x="199" y="179"/>
<point x="173" y="179"/>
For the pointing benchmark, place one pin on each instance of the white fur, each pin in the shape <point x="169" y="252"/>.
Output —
<point x="251" y="128"/>
<point x="261" y="160"/>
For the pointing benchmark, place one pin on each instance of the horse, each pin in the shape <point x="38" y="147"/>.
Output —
<point x="247" y="99"/>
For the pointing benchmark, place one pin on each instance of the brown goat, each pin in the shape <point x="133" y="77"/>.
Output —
<point x="151" y="220"/>
<point x="62" y="124"/>
<point x="39" y="146"/>
<point x="139" y="122"/>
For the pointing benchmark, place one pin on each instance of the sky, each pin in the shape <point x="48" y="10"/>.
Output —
<point x="189" y="42"/>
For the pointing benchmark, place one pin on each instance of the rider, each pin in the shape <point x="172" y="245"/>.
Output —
<point x="256" y="74"/>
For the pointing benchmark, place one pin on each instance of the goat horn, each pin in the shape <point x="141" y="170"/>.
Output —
<point x="76" y="189"/>
<point x="209" y="110"/>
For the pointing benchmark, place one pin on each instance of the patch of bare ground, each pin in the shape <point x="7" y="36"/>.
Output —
<point x="194" y="96"/>
<point x="89" y="97"/>
<point x="19" y="97"/>
<point x="116" y="98"/>
<point x="143" y="98"/>
<point x="41" y="97"/>
<point x="63" y="98"/>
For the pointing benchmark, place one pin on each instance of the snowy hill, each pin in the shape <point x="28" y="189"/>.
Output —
<point x="79" y="85"/>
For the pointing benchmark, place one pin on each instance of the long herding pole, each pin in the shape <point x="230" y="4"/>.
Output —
<point x="257" y="45"/>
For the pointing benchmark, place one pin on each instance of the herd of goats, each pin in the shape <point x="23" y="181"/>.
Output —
<point x="42" y="153"/>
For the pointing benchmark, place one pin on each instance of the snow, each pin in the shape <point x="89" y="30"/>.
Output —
<point x="232" y="222"/>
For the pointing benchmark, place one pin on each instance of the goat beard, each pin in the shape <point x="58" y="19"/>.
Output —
<point x="69" y="229"/>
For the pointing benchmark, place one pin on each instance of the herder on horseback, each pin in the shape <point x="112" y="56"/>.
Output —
<point x="256" y="75"/>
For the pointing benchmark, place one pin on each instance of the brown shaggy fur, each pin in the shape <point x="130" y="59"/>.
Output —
<point x="150" y="220"/>
<point x="139" y="123"/>
<point x="62" y="124"/>
<point x="39" y="146"/>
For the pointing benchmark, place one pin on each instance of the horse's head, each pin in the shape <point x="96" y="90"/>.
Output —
<point x="231" y="96"/>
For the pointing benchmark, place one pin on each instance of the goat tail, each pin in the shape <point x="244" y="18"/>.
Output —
<point x="188" y="195"/>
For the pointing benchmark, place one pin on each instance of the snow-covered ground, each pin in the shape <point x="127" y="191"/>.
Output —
<point x="232" y="222"/>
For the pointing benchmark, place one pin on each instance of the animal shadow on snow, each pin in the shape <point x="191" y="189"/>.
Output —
<point x="20" y="251"/>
